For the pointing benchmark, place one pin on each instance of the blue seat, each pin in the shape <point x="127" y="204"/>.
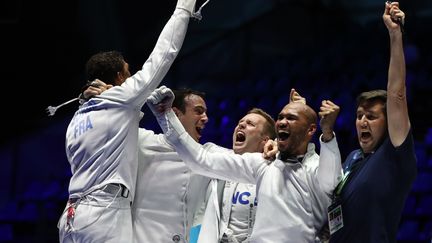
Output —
<point x="282" y="101"/>
<point x="424" y="207"/>
<point x="265" y="103"/>
<point x="33" y="191"/>
<point x="51" y="210"/>
<point x="429" y="163"/>
<point x="420" y="150"/>
<point x="408" y="230"/>
<point x="261" y="85"/>
<point x="426" y="232"/>
<point x="410" y="206"/>
<point x="428" y="137"/>
<point x="245" y="104"/>
<point x="28" y="212"/>
<point x="51" y="190"/>
<point x="423" y="183"/>
<point x="9" y="211"/>
<point x="6" y="232"/>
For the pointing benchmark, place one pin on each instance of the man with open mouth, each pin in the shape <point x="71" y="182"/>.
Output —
<point x="379" y="175"/>
<point x="294" y="191"/>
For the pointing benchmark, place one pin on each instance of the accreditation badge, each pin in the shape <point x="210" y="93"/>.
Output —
<point x="335" y="217"/>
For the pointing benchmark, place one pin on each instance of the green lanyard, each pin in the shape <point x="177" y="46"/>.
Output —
<point x="341" y="184"/>
<point x="345" y="178"/>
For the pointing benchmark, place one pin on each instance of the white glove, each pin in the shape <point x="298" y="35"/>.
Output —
<point x="188" y="5"/>
<point x="160" y="102"/>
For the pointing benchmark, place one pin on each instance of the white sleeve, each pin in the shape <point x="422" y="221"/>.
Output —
<point x="245" y="168"/>
<point x="329" y="171"/>
<point x="138" y="87"/>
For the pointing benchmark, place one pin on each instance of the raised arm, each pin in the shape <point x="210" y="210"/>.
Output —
<point x="397" y="108"/>
<point x="138" y="87"/>
<point x="226" y="166"/>
<point x="330" y="166"/>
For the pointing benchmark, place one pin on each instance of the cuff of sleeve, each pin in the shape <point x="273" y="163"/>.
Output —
<point x="183" y="10"/>
<point x="331" y="144"/>
<point x="322" y="141"/>
<point x="174" y="128"/>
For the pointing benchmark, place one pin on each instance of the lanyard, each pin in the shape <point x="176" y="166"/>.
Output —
<point x="341" y="184"/>
<point x="354" y="165"/>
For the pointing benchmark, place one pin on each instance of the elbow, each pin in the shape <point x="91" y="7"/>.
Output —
<point x="396" y="94"/>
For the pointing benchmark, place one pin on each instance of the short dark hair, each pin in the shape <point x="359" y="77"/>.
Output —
<point x="270" y="126"/>
<point x="371" y="96"/>
<point x="105" y="66"/>
<point x="180" y="95"/>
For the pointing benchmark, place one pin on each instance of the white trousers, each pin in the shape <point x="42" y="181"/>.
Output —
<point x="98" y="217"/>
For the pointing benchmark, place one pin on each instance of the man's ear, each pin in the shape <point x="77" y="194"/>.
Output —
<point x="312" y="129"/>
<point x="120" y="78"/>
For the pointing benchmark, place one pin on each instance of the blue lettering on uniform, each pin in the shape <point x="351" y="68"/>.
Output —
<point x="242" y="198"/>
<point x="82" y="126"/>
<point x="234" y="198"/>
<point x="244" y="194"/>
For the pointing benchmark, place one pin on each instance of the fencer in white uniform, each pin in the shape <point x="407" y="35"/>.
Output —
<point x="101" y="146"/>
<point x="229" y="219"/>
<point x="168" y="193"/>
<point x="293" y="196"/>
<point x="229" y="216"/>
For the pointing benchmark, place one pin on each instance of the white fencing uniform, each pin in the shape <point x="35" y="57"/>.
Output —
<point x="167" y="192"/>
<point x="234" y="211"/>
<point x="101" y="146"/>
<point x="293" y="198"/>
<point x="238" y="211"/>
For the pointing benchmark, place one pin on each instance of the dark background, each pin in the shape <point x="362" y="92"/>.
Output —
<point x="244" y="53"/>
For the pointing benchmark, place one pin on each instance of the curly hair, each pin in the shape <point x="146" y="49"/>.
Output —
<point x="105" y="66"/>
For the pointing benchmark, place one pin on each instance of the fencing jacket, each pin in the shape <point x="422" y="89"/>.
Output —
<point x="167" y="192"/>
<point x="293" y="198"/>
<point x="219" y="212"/>
<point x="101" y="139"/>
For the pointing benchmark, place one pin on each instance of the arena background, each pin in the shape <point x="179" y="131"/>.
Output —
<point x="243" y="54"/>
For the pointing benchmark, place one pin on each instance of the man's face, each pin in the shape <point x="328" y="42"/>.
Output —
<point x="293" y="129"/>
<point x="371" y="125"/>
<point x="248" y="135"/>
<point x="195" y="116"/>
